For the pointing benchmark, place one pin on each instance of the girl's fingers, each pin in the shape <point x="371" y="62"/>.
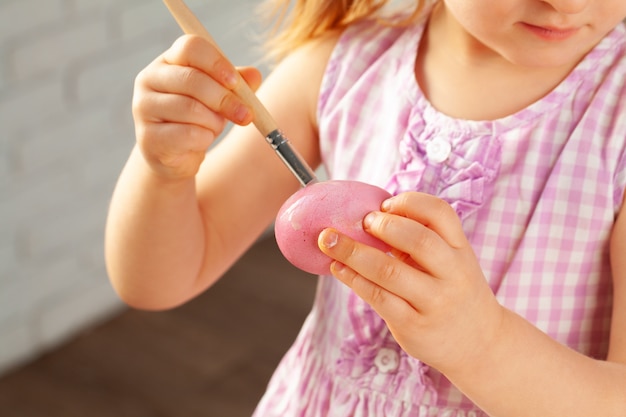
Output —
<point x="195" y="68"/>
<point x="165" y="138"/>
<point x="193" y="83"/>
<point x="432" y="212"/>
<point x="426" y="248"/>
<point x="196" y="52"/>
<point x="390" y="278"/>
<point x="427" y="229"/>
<point x="390" y="306"/>
<point x="252" y="76"/>
<point x="159" y="107"/>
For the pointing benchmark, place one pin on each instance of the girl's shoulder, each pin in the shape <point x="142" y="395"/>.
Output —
<point x="368" y="51"/>
<point x="367" y="41"/>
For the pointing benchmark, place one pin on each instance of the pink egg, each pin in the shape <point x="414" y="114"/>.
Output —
<point x="338" y="204"/>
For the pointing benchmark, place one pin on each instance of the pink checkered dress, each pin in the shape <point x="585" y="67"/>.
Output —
<point x="537" y="191"/>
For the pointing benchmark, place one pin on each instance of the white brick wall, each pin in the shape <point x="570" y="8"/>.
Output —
<point x="66" y="74"/>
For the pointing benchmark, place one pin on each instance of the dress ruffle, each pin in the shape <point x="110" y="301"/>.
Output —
<point x="371" y="359"/>
<point x="455" y="166"/>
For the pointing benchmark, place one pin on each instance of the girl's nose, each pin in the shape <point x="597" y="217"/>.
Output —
<point x="568" y="6"/>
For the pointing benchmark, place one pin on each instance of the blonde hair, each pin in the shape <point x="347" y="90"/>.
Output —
<point x="304" y="20"/>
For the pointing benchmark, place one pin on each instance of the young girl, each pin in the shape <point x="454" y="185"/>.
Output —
<point x="500" y="129"/>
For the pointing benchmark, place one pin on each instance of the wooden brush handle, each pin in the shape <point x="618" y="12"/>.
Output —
<point x="190" y="24"/>
<point x="263" y="121"/>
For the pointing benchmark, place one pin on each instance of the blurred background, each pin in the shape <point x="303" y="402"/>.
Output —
<point x="67" y="345"/>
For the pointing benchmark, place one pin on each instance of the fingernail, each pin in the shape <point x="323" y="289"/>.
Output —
<point x="328" y="238"/>
<point x="385" y="205"/>
<point x="337" y="267"/>
<point x="368" y="220"/>
<point x="241" y="113"/>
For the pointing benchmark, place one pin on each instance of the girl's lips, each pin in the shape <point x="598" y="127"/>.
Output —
<point x="550" y="33"/>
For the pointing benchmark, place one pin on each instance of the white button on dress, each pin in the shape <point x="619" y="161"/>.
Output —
<point x="387" y="360"/>
<point x="438" y="150"/>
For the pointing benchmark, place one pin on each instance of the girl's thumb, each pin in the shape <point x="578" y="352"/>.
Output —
<point x="252" y="76"/>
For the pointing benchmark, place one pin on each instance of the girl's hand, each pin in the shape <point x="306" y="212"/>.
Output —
<point x="431" y="293"/>
<point x="181" y="103"/>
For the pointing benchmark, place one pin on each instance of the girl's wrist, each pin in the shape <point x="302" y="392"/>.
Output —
<point x="488" y="350"/>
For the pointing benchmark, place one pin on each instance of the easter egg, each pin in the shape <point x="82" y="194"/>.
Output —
<point x="339" y="204"/>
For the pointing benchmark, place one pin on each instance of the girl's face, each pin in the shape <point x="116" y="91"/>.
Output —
<point x="536" y="33"/>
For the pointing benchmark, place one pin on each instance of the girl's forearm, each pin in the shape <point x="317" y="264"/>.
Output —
<point x="154" y="238"/>
<point x="526" y="373"/>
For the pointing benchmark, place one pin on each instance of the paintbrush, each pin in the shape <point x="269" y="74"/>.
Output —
<point x="263" y="121"/>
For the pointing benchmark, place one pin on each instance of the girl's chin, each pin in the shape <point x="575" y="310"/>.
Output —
<point x="557" y="60"/>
